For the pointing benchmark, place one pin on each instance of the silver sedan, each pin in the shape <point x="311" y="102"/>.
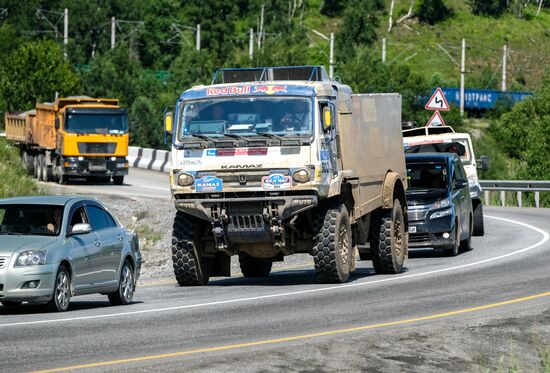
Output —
<point x="56" y="247"/>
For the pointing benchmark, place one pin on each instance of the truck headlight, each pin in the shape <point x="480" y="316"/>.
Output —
<point x="301" y="176"/>
<point x="185" y="179"/>
<point x="122" y="165"/>
<point x="441" y="204"/>
<point x="442" y="213"/>
<point x="31" y="258"/>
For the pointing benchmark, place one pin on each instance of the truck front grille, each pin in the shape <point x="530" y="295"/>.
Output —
<point x="247" y="221"/>
<point x="3" y="261"/>
<point x="97" y="147"/>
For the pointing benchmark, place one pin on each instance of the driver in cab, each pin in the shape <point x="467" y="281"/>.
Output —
<point x="295" y="119"/>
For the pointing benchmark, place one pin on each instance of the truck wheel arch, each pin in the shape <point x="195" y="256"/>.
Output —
<point x="393" y="188"/>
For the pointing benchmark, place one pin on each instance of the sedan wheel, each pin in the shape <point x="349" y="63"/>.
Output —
<point x="62" y="291"/>
<point x="126" y="286"/>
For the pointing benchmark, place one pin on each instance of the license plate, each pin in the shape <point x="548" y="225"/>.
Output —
<point x="412" y="229"/>
<point x="98" y="167"/>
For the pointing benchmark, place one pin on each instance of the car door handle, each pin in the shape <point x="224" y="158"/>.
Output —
<point x="97" y="243"/>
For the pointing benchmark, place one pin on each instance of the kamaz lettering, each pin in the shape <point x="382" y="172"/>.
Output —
<point x="240" y="166"/>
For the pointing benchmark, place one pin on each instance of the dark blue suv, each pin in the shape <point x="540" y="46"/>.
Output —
<point x="439" y="204"/>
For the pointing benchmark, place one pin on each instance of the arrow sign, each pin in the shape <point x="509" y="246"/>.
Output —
<point x="436" y="120"/>
<point x="437" y="101"/>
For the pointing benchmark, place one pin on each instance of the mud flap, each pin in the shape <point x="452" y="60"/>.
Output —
<point x="222" y="266"/>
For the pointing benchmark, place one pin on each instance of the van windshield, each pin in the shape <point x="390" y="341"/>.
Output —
<point x="457" y="146"/>
<point x="247" y="117"/>
<point x="422" y="176"/>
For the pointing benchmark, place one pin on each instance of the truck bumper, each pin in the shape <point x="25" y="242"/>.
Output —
<point x="94" y="166"/>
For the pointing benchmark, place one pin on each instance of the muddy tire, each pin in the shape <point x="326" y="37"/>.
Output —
<point x="254" y="267"/>
<point x="479" y="227"/>
<point x="190" y="268"/>
<point x="389" y="241"/>
<point x="332" y="245"/>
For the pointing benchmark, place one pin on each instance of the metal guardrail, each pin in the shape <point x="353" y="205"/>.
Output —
<point x="517" y="186"/>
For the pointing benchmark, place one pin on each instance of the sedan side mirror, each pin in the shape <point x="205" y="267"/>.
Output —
<point x="81" y="228"/>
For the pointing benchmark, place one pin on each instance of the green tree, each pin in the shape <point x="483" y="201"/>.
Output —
<point x="432" y="11"/>
<point x="35" y="72"/>
<point x="489" y="7"/>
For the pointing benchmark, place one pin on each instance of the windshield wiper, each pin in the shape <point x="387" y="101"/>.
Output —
<point x="238" y="137"/>
<point x="203" y="137"/>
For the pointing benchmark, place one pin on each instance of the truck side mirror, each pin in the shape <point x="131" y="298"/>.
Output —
<point x="327" y="119"/>
<point x="56" y="123"/>
<point x="168" y="117"/>
<point x="484" y="160"/>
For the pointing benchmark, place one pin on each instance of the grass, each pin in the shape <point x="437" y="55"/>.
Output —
<point x="14" y="181"/>
<point x="528" y="40"/>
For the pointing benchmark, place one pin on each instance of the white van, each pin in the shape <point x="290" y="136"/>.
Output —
<point x="444" y="139"/>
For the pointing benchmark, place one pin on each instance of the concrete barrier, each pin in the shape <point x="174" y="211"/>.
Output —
<point x="149" y="159"/>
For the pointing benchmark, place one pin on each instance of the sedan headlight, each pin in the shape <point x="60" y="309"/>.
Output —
<point x="185" y="179"/>
<point x="441" y="204"/>
<point x="442" y="213"/>
<point x="301" y="176"/>
<point x="31" y="258"/>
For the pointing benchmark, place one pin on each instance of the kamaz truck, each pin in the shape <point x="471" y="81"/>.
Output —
<point x="79" y="136"/>
<point x="270" y="162"/>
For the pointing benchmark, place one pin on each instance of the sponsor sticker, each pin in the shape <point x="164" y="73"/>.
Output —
<point x="190" y="162"/>
<point x="209" y="184"/>
<point x="276" y="181"/>
<point x="412" y="229"/>
<point x="233" y="90"/>
<point x="241" y="151"/>
<point x="325" y="155"/>
<point x="211" y="152"/>
<point x="270" y="89"/>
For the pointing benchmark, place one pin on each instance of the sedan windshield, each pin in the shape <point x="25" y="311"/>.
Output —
<point x="427" y="176"/>
<point x="39" y="220"/>
<point x="97" y="123"/>
<point x="246" y="117"/>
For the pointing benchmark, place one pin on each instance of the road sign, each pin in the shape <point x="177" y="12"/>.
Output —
<point x="437" y="101"/>
<point x="436" y="120"/>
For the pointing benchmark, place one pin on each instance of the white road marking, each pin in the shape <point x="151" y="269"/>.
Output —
<point x="545" y="238"/>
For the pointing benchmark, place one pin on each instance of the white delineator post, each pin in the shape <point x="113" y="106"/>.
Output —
<point x="462" y="72"/>
<point x="113" y="32"/>
<point x="331" y="56"/>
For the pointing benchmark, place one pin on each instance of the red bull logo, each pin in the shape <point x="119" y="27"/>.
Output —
<point x="270" y="89"/>
<point x="233" y="90"/>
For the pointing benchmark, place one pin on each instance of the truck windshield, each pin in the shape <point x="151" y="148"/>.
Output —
<point x="458" y="146"/>
<point x="427" y="176"/>
<point x="96" y="123"/>
<point x="35" y="220"/>
<point x="247" y="117"/>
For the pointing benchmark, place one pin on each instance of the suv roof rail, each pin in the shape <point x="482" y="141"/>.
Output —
<point x="429" y="130"/>
<point x="263" y="74"/>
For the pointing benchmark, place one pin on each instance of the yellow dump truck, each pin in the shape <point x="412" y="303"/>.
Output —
<point x="73" y="137"/>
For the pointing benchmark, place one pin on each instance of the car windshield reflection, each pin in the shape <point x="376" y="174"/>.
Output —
<point x="33" y="220"/>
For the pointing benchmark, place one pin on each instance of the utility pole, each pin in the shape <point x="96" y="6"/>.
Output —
<point x="384" y="50"/>
<point x="462" y="72"/>
<point x="261" y="28"/>
<point x="251" y="44"/>
<point x="198" y="42"/>
<point x="331" y="56"/>
<point x="113" y="32"/>
<point x="504" y="52"/>
<point x="65" y="32"/>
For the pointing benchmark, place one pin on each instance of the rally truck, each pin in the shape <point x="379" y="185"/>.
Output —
<point x="72" y="137"/>
<point x="440" y="139"/>
<point x="269" y="162"/>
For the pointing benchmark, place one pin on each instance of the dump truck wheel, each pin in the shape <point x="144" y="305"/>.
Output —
<point x="388" y="242"/>
<point x="36" y="162"/>
<point x="479" y="228"/>
<point x="28" y="161"/>
<point x="254" y="267"/>
<point x="118" y="180"/>
<point x="332" y="245"/>
<point x="40" y="172"/>
<point x="190" y="268"/>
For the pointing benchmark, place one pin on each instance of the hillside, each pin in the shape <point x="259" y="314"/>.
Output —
<point x="14" y="180"/>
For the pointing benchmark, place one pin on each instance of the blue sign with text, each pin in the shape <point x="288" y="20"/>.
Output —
<point x="482" y="98"/>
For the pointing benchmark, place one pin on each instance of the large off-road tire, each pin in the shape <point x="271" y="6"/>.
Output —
<point x="332" y="245"/>
<point x="190" y="267"/>
<point x="61" y="292"/>
<point x="118" y="180"/>
<point x="466" y="244"/>
<point x="254" y="267"/>
<point x="479" y="228"/>
<point x="126" y="286"/>
<point x="28" y="162"/>
<point x="389" y="241"/>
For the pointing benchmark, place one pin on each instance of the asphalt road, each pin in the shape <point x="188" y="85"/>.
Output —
<point x="138" y="183"/>
<point x="432" y="317"/>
